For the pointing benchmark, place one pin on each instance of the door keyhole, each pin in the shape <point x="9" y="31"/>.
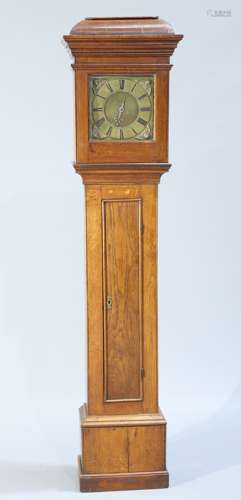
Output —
<point x="109" y="302"/>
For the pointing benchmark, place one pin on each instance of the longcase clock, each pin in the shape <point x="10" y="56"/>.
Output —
<point x="121" y="68"/>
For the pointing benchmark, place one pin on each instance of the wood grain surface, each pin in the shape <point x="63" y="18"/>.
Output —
<point x="146" y="448"/>
<point x="122" y="271"/>
<point x="105" y="450"/>
<point x="96" y="295"/>
<point x="133" y="449"/>
<point x="122" y="480"/>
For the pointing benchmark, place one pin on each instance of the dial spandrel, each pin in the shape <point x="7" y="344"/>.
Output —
<point x="121" y="108"/>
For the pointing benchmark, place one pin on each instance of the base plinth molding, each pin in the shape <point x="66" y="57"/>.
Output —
<point x="122" y="481"/>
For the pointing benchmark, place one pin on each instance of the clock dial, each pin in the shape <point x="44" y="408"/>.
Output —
<point x="121" y="108"/>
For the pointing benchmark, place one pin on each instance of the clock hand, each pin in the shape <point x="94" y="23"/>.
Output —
<point x="121" y="110"/>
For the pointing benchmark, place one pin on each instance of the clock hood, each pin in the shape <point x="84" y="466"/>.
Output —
<point x="122" y="36"/>
<point x="122" y="26"/>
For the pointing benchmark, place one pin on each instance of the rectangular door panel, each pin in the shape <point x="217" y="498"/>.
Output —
<point x="122" y="288"/>
<point x="105" y="450"/>
<point x="146" y="448"/>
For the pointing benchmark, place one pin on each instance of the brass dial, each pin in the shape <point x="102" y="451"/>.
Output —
<point x="121" y="108"/>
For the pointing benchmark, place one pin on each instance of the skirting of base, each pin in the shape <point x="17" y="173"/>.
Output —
<point x="122" y="481"/>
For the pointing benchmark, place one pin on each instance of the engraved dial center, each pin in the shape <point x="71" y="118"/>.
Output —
<point x="121" y="109"/>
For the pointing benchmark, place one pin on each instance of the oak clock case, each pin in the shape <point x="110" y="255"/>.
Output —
<point x="121" y="68"/>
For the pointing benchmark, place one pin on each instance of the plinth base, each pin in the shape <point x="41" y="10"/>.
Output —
<point x="122" y="481"/>
<point x="122" y="452"/>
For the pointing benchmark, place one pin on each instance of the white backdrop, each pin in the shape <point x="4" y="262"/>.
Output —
<point x="42" y="257"/>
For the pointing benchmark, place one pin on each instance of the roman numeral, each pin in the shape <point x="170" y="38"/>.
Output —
<point x="97" y="109"/>
<point x="121" y="134"/>
<point x="100" y="121"/>
<point x="142" y="96"/>
<point x="108" y="133"/>
<point x="122" y="84"/>
<point x="108" y="85"/>
<point x="145" y="109"/>
<point x="143" y="122"/>
<point x="134" y="86"/>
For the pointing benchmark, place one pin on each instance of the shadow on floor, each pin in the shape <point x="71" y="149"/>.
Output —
<point x="17" y="478"/>
<point x="209" y="446"/>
